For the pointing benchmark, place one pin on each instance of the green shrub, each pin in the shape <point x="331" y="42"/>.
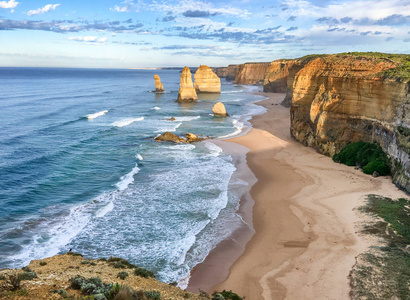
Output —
<point x="153" y="295"/>
<point x="225" y="295"/>
<point x="74" y="254"/>
<point x="369" y="156"/>
<point x="143" y="273"/>
<point x="2" y="277"/>
<point x="27" y="275"/>
<point x="120" y="263"/>
<point x="85" y="262"/>
<point x="122" y="275"/>
<point x="43" y="263"/>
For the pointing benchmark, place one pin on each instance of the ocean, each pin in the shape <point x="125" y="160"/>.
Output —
<point x="80" y="170"/>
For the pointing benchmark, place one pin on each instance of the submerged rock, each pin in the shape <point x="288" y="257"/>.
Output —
<point x="219" y="110"/>
<point x="171" y="119"/>
<point x="186" y="91"/>
<point x="206" y="81"/>
<point x="158" y="84"/>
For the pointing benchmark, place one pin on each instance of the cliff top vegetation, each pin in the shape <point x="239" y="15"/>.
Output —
<point x="400" y="73"/>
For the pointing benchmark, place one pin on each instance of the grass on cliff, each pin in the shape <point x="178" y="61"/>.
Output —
<point x="384" y="271"/>
<point x="368" y="156"/>
<point x="401" y="72"/>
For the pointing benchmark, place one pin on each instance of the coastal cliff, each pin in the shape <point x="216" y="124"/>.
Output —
<point x="251" y="73"/>
<point x="228" y="72"/>
<point x="340" y="99"/>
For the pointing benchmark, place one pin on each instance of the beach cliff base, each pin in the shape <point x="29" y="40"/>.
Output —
<point x="306" y="239"/>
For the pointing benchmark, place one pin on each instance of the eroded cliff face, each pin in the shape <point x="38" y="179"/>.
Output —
<point x="342" y="99"/>
<point x="206" y="81"/>
<point x="251" y="73"/>
<point x="228" y="72"/>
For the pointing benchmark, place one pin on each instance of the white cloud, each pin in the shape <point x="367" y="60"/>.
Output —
<point x="8" y="4"/>
<point x="42" y="10"/>
<point x="126" y="8"/>
<point x="89" y="39"/>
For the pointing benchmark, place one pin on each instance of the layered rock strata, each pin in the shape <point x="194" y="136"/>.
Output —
<point x="251" y="73"/>
<point x="340" y="99"/>
<point x="206" y="81"/>
<point x="229" y="72"/>
<point x="186" y="91"/>
<point x="159" y="88"/>
<point x="219" y="110"/>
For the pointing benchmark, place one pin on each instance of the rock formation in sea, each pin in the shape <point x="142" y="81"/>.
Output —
<point x="219" y="110"/>
<point x="228" y="72"/>
<point x="206" y="81"/>
<point x="169" y="137"/>
<point x="251" y="73"/>
<point x="340" y="99"/>
<point x="158" y="84"/>
<point x="186" y="91"/>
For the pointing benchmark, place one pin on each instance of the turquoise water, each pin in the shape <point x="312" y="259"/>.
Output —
<point x="79" y="168"/>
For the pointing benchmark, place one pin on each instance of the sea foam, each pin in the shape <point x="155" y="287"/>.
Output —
<point x="96" y="115"/>
<point x="127" y="179"/>
<point x="126" y="122"/>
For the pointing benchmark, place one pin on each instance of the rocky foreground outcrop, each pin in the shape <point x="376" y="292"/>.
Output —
<point x="206" y="81"/>
<point x="186" y="91"/>
<point x="251" y="73"/>
<point x="340" y="99"/>
<point x="228" y="72"/>
<point x="159" y="88"/>
<point x="50" y="279"/>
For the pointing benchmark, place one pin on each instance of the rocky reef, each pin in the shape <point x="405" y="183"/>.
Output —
<point x="228" y="72"/>
<point x="159" y="88"/>
<point x="345" y="98"/>
<point x="186" y="91"/>
<point x="206" y="81"/>
<point x="251" y="73"/>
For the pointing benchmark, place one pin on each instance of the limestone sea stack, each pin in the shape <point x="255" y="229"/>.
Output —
<point x="158" y="84"/>
<point x="206" y="81"/>
<point x="219" y="110"/>
<point x="186" y="91"/>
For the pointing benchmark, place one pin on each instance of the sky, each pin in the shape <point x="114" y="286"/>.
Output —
<point x="143" y="33"/>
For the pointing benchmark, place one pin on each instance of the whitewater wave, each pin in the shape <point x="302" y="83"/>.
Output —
<point x="126" y="122"/>
<point x="238" y="129"/>
<point x="156" y="108"/>
<point x="96" y="115"/>
<point x="127" y="179"/>
<point x="186" y="119"/>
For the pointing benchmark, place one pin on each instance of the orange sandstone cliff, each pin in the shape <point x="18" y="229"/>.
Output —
<point x="251" y="73"/>
<point x="228" y="72"/>
<point x="340" y="99"/>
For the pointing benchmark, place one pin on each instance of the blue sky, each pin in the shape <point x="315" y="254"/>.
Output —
<point x="142" y="33"/>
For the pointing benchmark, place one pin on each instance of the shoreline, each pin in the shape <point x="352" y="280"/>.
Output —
<point x="305" y="240"/>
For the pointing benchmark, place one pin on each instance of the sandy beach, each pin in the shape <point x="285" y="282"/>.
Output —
<point x="306" y="234"/>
